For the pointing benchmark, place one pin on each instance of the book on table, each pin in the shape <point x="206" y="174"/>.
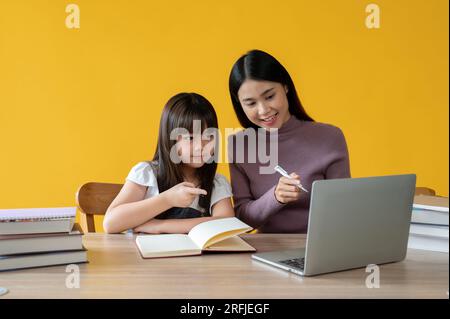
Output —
<point x="13" y="262"/>
<point x="431" y="243"/>
<point x="37" y="220"/>
<point x="422" y="216"/>
<point x="431" y="210"/>
<point x="219" y="235"/>
<point x="38" y="237"/>
<point x="429" y="224"/>
<point x="36" y="243"/>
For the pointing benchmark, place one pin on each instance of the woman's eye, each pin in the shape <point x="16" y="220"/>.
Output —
<point x="270" y="97"/>
<point x="250" y="103"/>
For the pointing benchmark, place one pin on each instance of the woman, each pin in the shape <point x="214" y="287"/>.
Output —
<point x="264" y="96"/>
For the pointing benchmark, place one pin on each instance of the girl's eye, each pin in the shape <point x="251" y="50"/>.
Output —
<point x="270" y="97"/>
<point x="250" y="103"/>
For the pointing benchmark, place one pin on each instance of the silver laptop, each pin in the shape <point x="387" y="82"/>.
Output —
<point x="353" y="222"/>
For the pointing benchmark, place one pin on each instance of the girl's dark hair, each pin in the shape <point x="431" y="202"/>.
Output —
<point x="261" y="66"/>
<point x="180" y="112"/>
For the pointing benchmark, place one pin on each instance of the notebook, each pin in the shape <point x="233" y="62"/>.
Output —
<point x="214" y="235"/>
<point x="36" y="213"/>
<point x="36" y="220"/>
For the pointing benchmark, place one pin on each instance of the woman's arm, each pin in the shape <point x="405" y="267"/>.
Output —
<point x="130" y="209"/>
<point x="339" y="166"/>
<point x="254" y="212"/>
<point x="221" y="209"/>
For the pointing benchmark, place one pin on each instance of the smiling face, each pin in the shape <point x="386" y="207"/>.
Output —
<point x="264" y="103"/>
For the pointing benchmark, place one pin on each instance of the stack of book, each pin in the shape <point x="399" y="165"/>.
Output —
<point x="429" y="223"/>
<point x="38" y="237"/>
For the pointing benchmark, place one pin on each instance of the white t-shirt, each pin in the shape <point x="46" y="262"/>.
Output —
<point x="142" y="174"/>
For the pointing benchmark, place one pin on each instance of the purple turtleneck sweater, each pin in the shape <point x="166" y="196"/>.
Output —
<point x="313" y="150"/>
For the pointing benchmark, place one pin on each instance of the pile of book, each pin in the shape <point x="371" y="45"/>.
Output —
<point x="38" y="237"/>
<point x="429" y="223"/>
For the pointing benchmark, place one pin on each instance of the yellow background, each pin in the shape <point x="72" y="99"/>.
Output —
<point x="80" y="105"/>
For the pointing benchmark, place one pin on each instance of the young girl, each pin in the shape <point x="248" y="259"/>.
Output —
<point x="179" y="188"/>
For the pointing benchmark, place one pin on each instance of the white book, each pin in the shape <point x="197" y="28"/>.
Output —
<point x="37" y="220"/>
<point x="429" y="230"/>
<point x="431" y="243"/>
<point x="214" y="235"/>
<point x="422" y="216"/>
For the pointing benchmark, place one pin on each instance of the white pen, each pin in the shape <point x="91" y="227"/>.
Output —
<point x="280" y="170"/>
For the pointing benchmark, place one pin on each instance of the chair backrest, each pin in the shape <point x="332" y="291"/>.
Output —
<point x="94" y="199"/>
<point x="425" y="191"/>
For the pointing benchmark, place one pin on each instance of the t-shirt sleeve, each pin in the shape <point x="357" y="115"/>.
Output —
<point x="222" y="189"/>
<point x="142" y="174"/>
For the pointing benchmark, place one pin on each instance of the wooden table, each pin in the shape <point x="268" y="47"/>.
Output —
<point x="116" y="270"/>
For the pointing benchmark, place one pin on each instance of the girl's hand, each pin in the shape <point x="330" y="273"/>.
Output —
<point x="153" y="226"/>
<point x="183" y="194"/>
<point x="286" y="190"/>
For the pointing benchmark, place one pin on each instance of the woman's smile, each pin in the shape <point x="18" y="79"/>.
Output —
<point x="270" y="120"/>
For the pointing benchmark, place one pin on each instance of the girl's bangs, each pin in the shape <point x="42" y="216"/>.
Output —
<point x="187" y="118"/>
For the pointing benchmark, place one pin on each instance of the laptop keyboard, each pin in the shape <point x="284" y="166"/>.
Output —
<point x="295" y="262"/>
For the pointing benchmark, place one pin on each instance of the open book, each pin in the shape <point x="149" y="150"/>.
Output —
<point x="214" y="235"/>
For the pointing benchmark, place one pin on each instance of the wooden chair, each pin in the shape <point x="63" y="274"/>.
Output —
<point x="425" y="191"/>
<point x="94" y="199"/>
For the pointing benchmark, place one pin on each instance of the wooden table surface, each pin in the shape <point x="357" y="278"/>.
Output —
<point x="116" y="270"/>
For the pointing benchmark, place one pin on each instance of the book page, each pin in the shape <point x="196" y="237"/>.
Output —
<point x="210" y="232"/>
<point x="235" y="243"/>
<point x="166" y="245"/>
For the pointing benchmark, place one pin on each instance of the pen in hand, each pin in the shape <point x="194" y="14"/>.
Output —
<point x="280" y="170"/>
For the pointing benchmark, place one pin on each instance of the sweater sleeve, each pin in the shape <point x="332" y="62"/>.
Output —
<point x="339" y="166"/>
<point x="254" y="212"/>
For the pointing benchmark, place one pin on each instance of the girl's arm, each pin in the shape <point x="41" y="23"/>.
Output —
<point x="130" y="209"/>
<point x="221" y="209"/>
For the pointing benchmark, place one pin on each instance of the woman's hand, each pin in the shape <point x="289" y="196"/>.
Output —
<point x="183" y="194"/>
<point x="286" y="190"/>
<point x="153" y="226"/>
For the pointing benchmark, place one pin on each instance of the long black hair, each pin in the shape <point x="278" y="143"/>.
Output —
<point x="180" y="112"/>
<point x="259" y="65"/>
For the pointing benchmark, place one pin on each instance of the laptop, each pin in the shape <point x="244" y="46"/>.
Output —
<point x="353" y="222"/>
